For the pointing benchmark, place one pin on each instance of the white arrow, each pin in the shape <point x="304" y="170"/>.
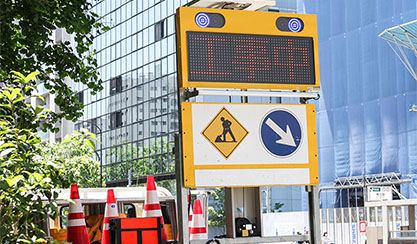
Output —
<point x="286" y="137"/>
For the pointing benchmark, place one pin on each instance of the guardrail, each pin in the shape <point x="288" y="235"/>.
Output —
<point x="403" y="235"/>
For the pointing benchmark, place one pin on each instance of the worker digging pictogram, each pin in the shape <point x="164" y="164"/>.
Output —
<point x="225" y="132"/>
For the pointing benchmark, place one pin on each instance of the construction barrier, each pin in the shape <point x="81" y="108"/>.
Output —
<point x="198" y="230"/>
<point x="76" y="229"/>
<point x="136" y="231"/>
<point x="110" y="213"/>
<point x="152" y="207"/>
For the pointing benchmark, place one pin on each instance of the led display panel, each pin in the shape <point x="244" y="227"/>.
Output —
<point x="225" y="57"/>
<point x="227" y="49"/>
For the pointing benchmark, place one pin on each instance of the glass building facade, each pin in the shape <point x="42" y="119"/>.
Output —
<point x="135" y="115"/>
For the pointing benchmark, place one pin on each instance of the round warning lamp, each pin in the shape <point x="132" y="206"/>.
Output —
<point x="295" y="25"/>
<point x="202" y="20"/>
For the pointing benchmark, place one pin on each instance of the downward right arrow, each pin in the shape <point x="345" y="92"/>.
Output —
<point x="286" y="136"/>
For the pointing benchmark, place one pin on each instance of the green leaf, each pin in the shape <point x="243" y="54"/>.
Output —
<point x="18" y="74"/>
<point x="9" y="107"/>
<point x="8" y="144"/>
<point x="15" y="91"/>
<point x="31" y="76"/>
<point x="41" y="98"/>
<point x="18" y="100"/>
<point x="39" y="109"/>
<point x="91" y="144"/>
<point x="4" y="153"/>
<point x="67" y="140"/>
<point x="8" y="94"/>
<point x="12" y="182"/>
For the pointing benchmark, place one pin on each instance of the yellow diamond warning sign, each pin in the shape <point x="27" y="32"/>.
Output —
<point x="224" y="132"/>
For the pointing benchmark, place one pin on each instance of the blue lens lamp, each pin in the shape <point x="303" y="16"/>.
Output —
<point x="295" y="25"/>
<point x="202" y="20"/>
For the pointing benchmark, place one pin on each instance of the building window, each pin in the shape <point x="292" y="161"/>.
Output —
<point x="159" y="30"/>
<point x="116" y="119"/>
<point x="116" y="85"/>
<point x="93" y="126"/>
<point x="80" y="97"/>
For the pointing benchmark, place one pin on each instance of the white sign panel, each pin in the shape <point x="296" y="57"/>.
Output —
<point x="249" y="144"/>
<point x="379" y="193"/>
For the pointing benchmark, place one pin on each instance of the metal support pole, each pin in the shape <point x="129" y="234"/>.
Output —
<point x="385" y="225"/>
<point x="182" y="194"/>
<point x="268" y="199"/>
<point x="101" y="158"/>
<point x="101" y="149"/>
<point x="314" y="214"/>
<point x="411" y="218"/>
<point x="230" y="212"/>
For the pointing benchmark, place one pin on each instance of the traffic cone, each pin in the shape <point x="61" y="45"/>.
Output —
<point x="152" y="207"/>
<point x="110" y="213"/>
<point x="76" y="229"/>
<point x="190" y="219"/>
<point x="198" y="227"/>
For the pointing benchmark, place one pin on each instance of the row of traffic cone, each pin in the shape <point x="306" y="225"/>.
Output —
<point x="77" y="230"/>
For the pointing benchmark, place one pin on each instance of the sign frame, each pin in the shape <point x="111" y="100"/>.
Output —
<point x="362" y="227"/>
<point x="242" y="24"/>
<point x="190" y="167"/>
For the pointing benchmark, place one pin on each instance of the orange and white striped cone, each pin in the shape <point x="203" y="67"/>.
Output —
<point x="109" y="213"/>
<point x="190" y="219"/>
<point x="76" y="229"/>
<point x="152" y="207"/>
<point x="198" y="229"/>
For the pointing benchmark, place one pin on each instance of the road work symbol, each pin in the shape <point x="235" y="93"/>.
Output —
<point x="281" y="133"/>
<point x="225" y="132"/>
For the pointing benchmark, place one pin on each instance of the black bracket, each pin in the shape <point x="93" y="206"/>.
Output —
<point x="188" y="93"/>
<point x="303" y="100"/>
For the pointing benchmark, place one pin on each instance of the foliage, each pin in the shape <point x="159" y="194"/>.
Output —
<point x="217" y="215"/>
<point x="153" y="160"/>
<point x="278" y="206"/>
<point x="27" y="44"/>
<point x="75" y="157"/>
<point x="24" y="181"/>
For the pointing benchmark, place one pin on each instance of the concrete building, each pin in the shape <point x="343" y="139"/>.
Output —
<point x="65" y="127"/>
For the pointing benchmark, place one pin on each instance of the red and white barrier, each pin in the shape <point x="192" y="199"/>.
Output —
<point x="198" y="230"/>
<point x="152" y="208"/>
<point x="110" y="212"/>
<point x="76" y="228"/>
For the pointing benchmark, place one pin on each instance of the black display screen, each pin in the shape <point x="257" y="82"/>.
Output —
<point x="225" y="57"/>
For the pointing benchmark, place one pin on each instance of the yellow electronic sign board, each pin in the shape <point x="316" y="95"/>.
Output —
<point x="246" y="49"/>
